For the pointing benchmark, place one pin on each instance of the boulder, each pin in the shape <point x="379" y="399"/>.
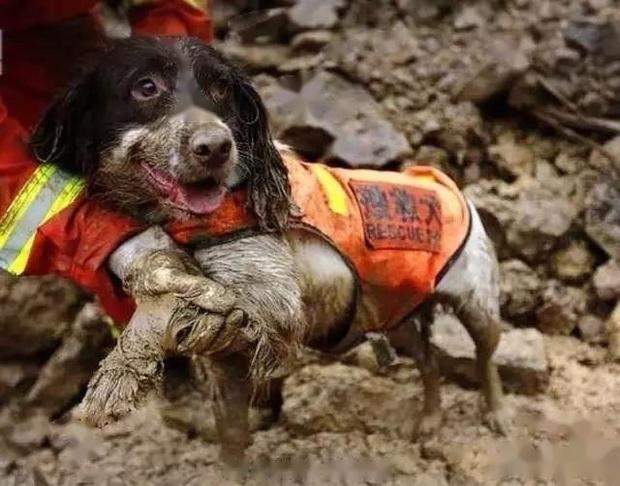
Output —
<point x="256" y="58"/>
<point x="470" y="17"/>
<point x="35" y="313"/>
<point x="333" y="118"/>
<point x="315" y="14"/>
<point x="606" y="280"/>
<point x="574" y="263"/>
<point x="602" y="162"/>
<point x="603" y="216"/>
<point x="15" y="375"/>
<point x="223" y="12"/>
<point x="494" y="73"/>
<point x="561" y="308"/>
<point x="311" y="41"/>
<point x="511" y="157"/>
<point x="424" y="11"/>
<point x="520" y="356"/>
<point x="592" y="329"/>
<point x="541" y="216"/>
<point x="519" y="290"/>
<point x="73" y="363"/>
<point x="532" y="216"/>
<point x="259" y="27"/>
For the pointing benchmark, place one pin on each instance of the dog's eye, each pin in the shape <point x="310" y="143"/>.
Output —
<point x="218" y="90"/>
<point x="146" y="89"/>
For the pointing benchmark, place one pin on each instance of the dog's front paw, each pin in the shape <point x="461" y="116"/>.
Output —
<point x="113" y="393"/>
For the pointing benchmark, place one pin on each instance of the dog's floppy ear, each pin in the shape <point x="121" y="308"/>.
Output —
<point x="268" y="184"/>
<point x="64" y="135"/>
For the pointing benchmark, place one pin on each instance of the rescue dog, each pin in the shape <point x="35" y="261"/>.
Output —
<point x="168" y="130"/>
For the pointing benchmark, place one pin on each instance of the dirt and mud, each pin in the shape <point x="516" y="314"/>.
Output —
<point x="517" y="100"/>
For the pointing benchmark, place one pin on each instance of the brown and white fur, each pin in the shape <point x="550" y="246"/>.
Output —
<point x="139" y="112"/>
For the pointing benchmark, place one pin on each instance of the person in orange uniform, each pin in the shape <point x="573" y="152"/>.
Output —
<point x="44" y="43"/>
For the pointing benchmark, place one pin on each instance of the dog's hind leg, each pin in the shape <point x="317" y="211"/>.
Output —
<point x="413" y="339"/>
<point x="485" y="330"/>
<point x="471" y="286"/>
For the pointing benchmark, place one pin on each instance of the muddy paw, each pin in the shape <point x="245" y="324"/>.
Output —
<point x="499" y="420"/>
<point x="113" y="394"/>
<point x="427" y="425"/>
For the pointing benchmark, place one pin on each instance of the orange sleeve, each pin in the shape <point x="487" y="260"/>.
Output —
<point x="173" y="17"/>
<point x="77" y="242"/>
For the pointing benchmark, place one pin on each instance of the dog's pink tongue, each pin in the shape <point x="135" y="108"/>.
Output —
<point x="196" y="200"/>
<point x="193" y="199"/>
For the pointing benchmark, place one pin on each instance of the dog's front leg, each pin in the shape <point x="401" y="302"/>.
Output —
<point x="231" y="404"/>
<point x="133" y="368"/>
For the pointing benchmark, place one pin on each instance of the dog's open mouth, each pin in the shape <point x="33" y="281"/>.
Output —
<point x="199" y="198"/>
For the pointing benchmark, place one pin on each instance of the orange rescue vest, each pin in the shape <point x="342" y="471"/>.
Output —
<point x="398" y="231"/>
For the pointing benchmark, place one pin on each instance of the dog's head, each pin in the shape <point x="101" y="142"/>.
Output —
<point x="162" y="128"/>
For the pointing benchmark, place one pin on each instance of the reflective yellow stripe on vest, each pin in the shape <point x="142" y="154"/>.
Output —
<point x="45" y="194"/>
<point x="335" y="194"/>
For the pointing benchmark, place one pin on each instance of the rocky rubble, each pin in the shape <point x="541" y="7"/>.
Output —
<point x="518" y="102"/>
<point x="61" y="339"/>
<point x="441" y="87"/>
<point x="339" y="89"/>
<point x="520" y="356"/>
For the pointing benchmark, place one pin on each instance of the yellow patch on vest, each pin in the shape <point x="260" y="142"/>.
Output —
<point x="336" y="195"/>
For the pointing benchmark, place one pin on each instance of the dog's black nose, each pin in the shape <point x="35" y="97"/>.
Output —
<point x="211" y="146"/>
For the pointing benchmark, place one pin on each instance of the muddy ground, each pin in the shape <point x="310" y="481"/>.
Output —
<point x="517" y="100"/>
<point x="344" y="425"/>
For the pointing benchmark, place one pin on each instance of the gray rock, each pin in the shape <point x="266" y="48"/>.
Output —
<point x="261" y="26"/>
<point x="541" y="217"/>
<point x="603" y="216"/>
<point x="505" y="60"/>
<point x="594" y="37"/>
<point x="15" y="375"/>
<point x="73" y="363"/>
<point x="574" y="263"/>
<point x="35" y="313"/>
<point x="256" y="57"/>
<point x="606" y="280"/>
<point x="520" y="356"/>
<point x="569" y="163"/>
<point x="333" y="118"/>
<point x="291" y="122"/>
<point x="312" y="41"/>
<point x="469" y="17"/>
<point x="602" y="162"/>
<point x="519" y="290"/>
<point x="515" y="158"/>
<point x="304" y="63"/>
<point x="223" y="12"/>
<point x="494" y="200"/>
<point x="531" y="215"/>
<point x="561" y="308"/>
<point x="424" y="10"/>
<point x="315" y="14"/>
<point x="592" y="329"/>
<point x="433" y="156"/>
